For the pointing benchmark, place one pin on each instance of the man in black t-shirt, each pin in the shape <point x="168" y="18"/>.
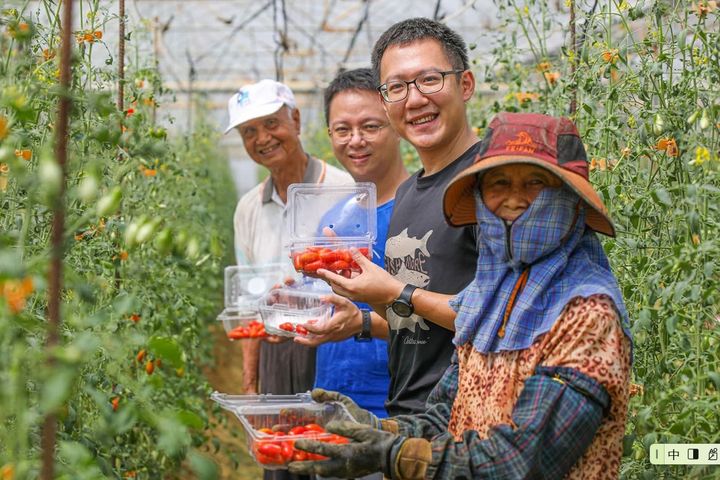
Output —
<point x="423" y="69"/>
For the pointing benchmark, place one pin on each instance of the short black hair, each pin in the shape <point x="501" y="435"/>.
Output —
<point x="413" y="29"/>
<point x="357" y="79"/>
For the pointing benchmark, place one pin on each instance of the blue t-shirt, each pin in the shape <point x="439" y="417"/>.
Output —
<point x="359" y="369"/>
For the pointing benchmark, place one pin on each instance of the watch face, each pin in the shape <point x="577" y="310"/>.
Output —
<point x="401" y="308"/>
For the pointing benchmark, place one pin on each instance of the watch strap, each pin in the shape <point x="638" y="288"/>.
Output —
<point x="365" y="334"/>
<point x="407" y="293"/>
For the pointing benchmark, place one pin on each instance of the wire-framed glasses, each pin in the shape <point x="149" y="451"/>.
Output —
<point x="428" y="82"/>
<point x="368" y="131"/>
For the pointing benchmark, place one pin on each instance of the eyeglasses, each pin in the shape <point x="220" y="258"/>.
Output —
<point x="369" y="131"/>
<point x="427" y="83"/>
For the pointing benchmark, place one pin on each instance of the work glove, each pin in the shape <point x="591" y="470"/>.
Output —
<point x="369" y="451"/>
<point x="359" y="414"/>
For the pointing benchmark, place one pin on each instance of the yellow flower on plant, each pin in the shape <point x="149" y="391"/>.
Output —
<point x="15" y="292"/>
<point x="552" y="77"/>
<point x="24" y="154"/>
<point x="702" y="155"/>
<point x="543" y="66"/>
<point x="703" y="7"/>
<point x="7" y="472"/>
<point x="598" y="164"/>
<point x="669" y="145"/>
<point x="526" y="96"/>
<point x="695" y="239"/>
<point x="625" y="152"/>
<point x="611" y="55"/>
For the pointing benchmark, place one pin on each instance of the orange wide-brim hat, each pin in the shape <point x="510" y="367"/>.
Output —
<point x="552" y="143"/>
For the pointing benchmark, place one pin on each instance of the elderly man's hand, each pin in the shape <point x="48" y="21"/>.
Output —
<point x="369" y="451"/>
<point x="344" y="323"/>
<point x="374" y="285"/>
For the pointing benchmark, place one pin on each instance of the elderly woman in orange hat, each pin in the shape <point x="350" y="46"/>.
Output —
<point x="538" y="387"/>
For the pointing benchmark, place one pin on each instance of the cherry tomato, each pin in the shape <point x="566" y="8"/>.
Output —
<point x="313" y="267"/>
<point x="314" y="427"/>
<point x="308" y="257"/>
<point x="299" y="456"/>
<point x="297" y="430"/>
<point x="287" y="326"/>
<point x="269" y="449"/>
<point x="287" y="450"/>
<point x="339" y="265"/>
<point x="266" y="430"/>
<point x="329" y="256"/>
<point x="268" y="459"/>
<point x="300" y="330"/>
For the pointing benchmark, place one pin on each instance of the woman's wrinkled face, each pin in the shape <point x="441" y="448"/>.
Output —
<point x="508" y="190"/>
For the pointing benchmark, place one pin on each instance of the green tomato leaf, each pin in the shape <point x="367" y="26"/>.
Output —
<point x="204" y="468"/>
<point x="168" y="350"/>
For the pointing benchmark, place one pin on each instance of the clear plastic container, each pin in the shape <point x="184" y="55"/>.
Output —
<point x="283" y="310"/>
<point x="246" y="284"/>
<point x="242" y="324"/>
<point x="273" y="423"/>
<point x="324" y="221"/>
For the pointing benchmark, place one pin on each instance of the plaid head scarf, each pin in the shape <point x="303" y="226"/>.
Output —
<point x="563" y="260"/>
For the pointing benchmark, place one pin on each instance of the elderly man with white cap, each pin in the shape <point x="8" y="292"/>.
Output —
<point x="266" y="117"/>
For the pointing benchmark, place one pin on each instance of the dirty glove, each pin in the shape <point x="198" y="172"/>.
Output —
<point x="360" y="415"/>
<point x="370" y="451"/>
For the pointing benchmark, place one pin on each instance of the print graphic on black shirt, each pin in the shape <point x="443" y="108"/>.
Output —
<point x="408" y="266"/>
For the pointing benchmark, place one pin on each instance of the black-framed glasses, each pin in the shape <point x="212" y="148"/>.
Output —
<point x="427" y="83"/>
<point x="343" y="134"/>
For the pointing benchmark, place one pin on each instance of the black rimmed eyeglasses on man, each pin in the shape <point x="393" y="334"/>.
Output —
<point x="426" y="83"/>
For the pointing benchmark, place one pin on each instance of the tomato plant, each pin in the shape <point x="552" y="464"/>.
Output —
<point x="146" y="217"/>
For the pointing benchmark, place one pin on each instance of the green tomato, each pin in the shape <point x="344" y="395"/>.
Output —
<point x="192" y="251"/>
<point x="658" y="124"/>
<point x="88" y="189"/>
<point x="51" y="176"/>
<point x="146" y="230"/>
<point x="110" y="203"/>
<point x="704" y="119"/>
<point x="164" y="241"/>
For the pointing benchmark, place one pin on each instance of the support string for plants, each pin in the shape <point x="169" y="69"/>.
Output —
<point x="121" y="56"/>
<point x="49" y="430"/>
<point x="573" y="62"/>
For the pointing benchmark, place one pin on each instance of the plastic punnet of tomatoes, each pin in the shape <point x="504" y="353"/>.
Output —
<point x="285" y="310"/>
<point x="273" y="423"/>
<point x="241" y="325"/>
<point x="325" y="221"/>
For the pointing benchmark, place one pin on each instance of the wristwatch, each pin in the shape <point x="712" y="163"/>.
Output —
<point x="402" y="306"/>
<point x="364" y="335"/>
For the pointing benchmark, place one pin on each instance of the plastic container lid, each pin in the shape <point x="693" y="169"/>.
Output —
<point x="349" y="211"/>
<point x="281" y="308"/>
<point x="246" y="284"/>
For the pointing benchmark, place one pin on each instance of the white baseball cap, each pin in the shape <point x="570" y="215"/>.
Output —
<point x="257" y="100"/>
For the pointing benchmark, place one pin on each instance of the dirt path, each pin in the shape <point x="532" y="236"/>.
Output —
<point x="227" y="445"/>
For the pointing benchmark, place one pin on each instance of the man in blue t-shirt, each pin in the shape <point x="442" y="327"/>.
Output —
<point x="369" y="149"/>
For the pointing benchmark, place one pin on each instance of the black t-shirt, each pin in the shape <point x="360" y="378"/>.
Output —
<point x="423" y="250"/>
